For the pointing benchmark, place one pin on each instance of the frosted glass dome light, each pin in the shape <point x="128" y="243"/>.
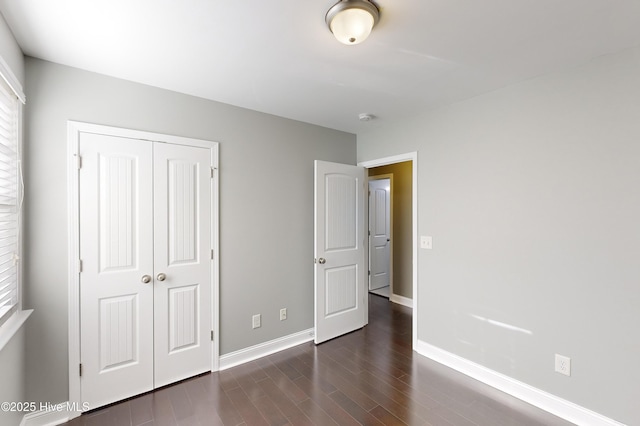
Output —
<point x="351" y="21"/>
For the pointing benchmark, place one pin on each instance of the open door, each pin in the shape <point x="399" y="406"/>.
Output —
<point x="340" y="243"/>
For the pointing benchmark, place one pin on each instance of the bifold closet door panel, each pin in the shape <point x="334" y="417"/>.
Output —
<point x="116" y="250"/>
<point x="182" y="259"/>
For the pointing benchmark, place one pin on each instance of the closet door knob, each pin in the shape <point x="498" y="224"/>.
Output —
<point x="161" y="276"/>
<point x="322" y="261"/>
<point x="146" y="279"/>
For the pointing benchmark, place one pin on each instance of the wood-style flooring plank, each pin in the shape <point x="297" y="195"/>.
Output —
<point x="270" y="411"/>
<point x="280" y="399"/>
<point x="314" y="412"/>
<point x="327" y="404"/>
<point x="386" y="417"/>
<point x="357" y="412"/>
<point x="245" y="407"/>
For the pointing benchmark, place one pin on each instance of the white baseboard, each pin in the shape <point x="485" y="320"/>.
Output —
<point x="263" y="349"/>
<point x="60" y="413"/>
<point x="557" y="406"/>
<point x="401" y="300"/>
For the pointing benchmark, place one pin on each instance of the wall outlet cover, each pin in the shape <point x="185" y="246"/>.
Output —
<point x="426" y="242"/>
<point x="563" y="365"/>
<point x="257" y="321"/>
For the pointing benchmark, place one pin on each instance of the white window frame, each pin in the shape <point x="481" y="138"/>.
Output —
<point x="11" y="322"/>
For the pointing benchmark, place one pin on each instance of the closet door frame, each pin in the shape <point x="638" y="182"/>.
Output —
<point x="74" y="162"/>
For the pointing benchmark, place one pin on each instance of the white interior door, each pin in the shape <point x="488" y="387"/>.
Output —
<point x="116" y="248"/>
<point x="182" y="287"/>
<point x="145" y="247"/>
<point x="379" y="233"/>
<point x="340" y="284"/>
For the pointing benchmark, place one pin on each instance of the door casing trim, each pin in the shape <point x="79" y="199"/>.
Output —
<point x="74" y="129"/>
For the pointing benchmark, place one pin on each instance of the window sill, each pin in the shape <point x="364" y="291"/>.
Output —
<point x="12" y="326"/>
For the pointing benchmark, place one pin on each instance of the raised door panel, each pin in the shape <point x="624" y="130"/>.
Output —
<point x="118" y="332"/>
<point x="118" y="213"/>
<point x="182" y="208"/>
<point x="341" y="224"/>
<point x="183" y="317"/>
<point x="341" y="290"/>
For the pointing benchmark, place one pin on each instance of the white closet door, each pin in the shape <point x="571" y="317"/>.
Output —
<point x="145" y="286"/>
<point x="182" y="200"/>
<point x="116" y="248"/>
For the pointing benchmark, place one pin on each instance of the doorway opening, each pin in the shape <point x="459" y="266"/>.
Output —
<point x="380" y="233"/>
<point x="401" y="172"/>
<point x="390" y="226"/>
<point x="341" y="245"/>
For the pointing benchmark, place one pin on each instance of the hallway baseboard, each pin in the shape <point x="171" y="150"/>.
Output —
<point x="401" y="300"/>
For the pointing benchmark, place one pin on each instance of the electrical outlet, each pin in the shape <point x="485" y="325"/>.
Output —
<point x="563" y="365"/>
<point x="257" y="321"/>
<point x="426" y="242"/>
<point x="283" y="314"/>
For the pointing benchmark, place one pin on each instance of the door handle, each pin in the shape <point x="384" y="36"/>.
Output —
<point x="161" y="276"/>
<point x="322" y="261"/>
<point x="146" y="279"/>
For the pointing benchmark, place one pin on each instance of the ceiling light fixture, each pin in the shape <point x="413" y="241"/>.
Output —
<point x="351" y="21"/>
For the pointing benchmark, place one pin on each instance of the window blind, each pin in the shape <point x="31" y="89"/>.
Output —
<point x="9" y="202"/>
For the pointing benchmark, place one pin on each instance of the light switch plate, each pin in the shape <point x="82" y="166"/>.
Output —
<point x="426" y="242"/>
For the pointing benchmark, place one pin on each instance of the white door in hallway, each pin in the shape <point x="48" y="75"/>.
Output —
<point x="379" y="233"/>
<point x="340" y="272"/>
<point x="145" y="283"/>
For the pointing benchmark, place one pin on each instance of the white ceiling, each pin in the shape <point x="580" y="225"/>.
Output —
<point x="279" y="57"/>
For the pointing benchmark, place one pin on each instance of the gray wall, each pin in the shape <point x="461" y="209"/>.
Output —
<point x="266" y="205"/>
<point x="532" y="196"/>
<point x="12" y="368"/>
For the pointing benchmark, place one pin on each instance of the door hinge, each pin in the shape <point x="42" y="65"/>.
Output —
<point x="213" y="172"/>
<point x="80" y="369"/>
<point x="79" y="265"/>
<point x="212" y="335"/>
<point x="369" y="273"/>
<point x="78" y="161"/>
<point x="211" y="254"/>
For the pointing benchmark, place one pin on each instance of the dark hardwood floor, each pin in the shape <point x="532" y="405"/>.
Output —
<point x="368" y="377"/>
